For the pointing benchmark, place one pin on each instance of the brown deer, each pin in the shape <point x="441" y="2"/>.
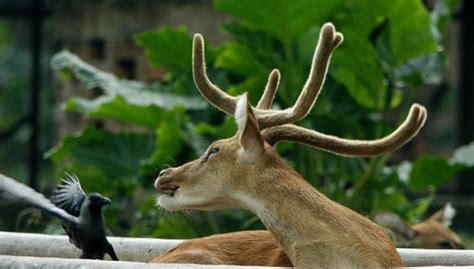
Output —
<point x="433" y="232"/>
<point x="245" y="171"/>
<point x="259" y="248"/>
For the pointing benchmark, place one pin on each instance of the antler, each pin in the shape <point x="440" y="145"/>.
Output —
<point x="266" y="100"/>
<point x="328" y="41"/>
<point x="275" y="123"/>
<point x="364" y="148"/>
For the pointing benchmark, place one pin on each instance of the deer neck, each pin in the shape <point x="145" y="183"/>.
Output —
<point x="310" y="227"/>
<point x="290" y="207"/>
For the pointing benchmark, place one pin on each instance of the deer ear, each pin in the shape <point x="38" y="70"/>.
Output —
<point x="445" y="215"/>
<point x="250" y="138"/>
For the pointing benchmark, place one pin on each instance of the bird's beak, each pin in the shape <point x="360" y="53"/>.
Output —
<point x="106" y="201"/>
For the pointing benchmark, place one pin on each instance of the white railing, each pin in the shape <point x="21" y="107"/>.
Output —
<point x="22" y="250"/>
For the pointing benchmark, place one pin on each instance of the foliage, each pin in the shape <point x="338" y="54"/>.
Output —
<point x="378" y="69"/>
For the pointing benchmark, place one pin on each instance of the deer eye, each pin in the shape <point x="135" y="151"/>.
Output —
<point x="209" y="153"/>
<point x="213" y="150"/>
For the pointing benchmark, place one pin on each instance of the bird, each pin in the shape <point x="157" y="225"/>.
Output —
<point x="80" y="214"/>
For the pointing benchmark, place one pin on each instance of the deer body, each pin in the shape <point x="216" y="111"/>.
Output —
<point x="245" y="171"/>
<point x="257" y="248"/>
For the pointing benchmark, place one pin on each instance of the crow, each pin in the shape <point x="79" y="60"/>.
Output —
<point x="81" y="214"/>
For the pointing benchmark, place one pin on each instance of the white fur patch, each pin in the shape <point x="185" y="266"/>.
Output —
<point x="448" y="214"/>
<point x="241" y="112"/>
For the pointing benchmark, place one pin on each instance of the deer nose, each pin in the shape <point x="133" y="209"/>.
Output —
<point x="164" y="172"/>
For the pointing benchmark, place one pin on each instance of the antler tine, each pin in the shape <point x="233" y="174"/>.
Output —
<point x="328" y="41"/>
<point x="266" y="100"/>
<point x="363" y="148"/>
<point x="211" y="92"/>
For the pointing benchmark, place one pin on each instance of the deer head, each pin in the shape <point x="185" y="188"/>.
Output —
<point x="232" y="164"/>
<point x="433" y="232"/>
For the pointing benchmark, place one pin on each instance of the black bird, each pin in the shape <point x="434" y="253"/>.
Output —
<point x="81" y="215"/>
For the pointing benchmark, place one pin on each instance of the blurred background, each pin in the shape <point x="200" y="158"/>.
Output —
<point x="120" y="104"/>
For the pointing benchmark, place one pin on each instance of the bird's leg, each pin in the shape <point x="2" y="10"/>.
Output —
<point x="111" y="252"/>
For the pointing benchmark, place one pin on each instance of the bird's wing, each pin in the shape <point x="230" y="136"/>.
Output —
<point x="69" y="195"/>
<point x="15" y="191"/>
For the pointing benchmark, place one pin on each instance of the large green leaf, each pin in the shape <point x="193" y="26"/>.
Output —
<point x="133" y="92"/>
<point x="169" y="48"/>
<point x="105" y="162"/>
<point x="411" y="33"/>
<point x="283" y="19"/>
<point x="117" y="155"/>
<point x="429" y="171"/>
<point x="239" y="59"/>
<point x="356" y="66"/>
<point x="169" y="141"/>
<point x="116" y="107"/>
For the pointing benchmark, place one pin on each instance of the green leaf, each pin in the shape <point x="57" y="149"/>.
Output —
<point x="238" y="59"/>
<point x="114" y="155"/>
<point x="252" y="85"/>
<point x="168" y="48"/>
<point x="134" y="92"/>
<point x="389" y="199"/>
<point x="355" y="65"/>
<point x="430" y="171"/>
<point x="414" y="211"/>
<point x="116" y="107"/>
<point x="411" y="33"/>
<point x="283" y="19"/>
<point x="121" y="96"/>
<point x="225" y="130"/>
<point x="169" y="141"/>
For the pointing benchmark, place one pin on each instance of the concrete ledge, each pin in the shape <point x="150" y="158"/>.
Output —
<point x="144" y="249"/>
<point x="40" y="245"/>
<point x="434" y="257"/>
<point x="52" y="263"/>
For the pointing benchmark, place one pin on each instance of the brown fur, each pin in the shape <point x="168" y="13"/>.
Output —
<point x="257" y="248"/>
<point x="432" y="234"/>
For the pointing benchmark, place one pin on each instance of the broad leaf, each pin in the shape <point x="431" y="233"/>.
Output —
<point x="169" y="141"/>
<point x="283" y="19"/>
<point x="411" y="34"/>
<point x="355" y="66"/>
<point x="169" y="48"/>
<point x="429" y="171"/>
<point x="105" y="162"/>
<point x="116" y="107"/>
<point x="133" y="92"/>
<point x="240" y="60"/>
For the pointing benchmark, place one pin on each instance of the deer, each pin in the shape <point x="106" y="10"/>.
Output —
<point x="259" y="248"/>
<point x="432" y="233"/>
<point x="245" y="171"/>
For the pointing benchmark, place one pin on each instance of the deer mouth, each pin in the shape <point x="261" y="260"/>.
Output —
<point x="168" y="189"/>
